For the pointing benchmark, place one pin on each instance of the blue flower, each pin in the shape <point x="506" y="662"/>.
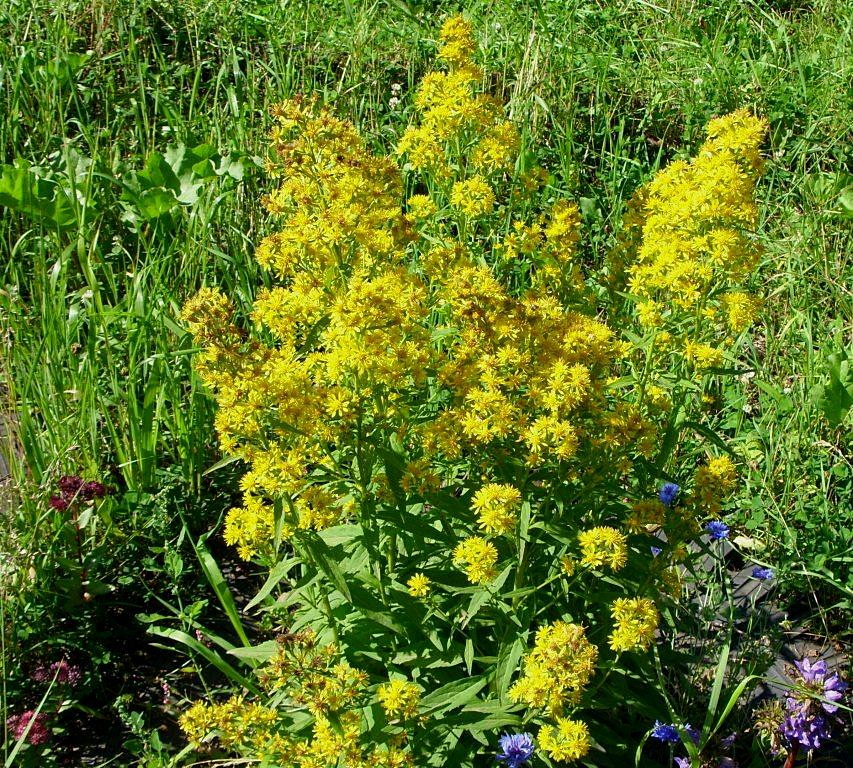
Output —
<point x="718" y="530"/>
<point x="667" y="733"/>
<point x="667" y="493"/>
<point x="762" y="573"/>
<point x="517" y="749"/>
<point x="655" y="550"/>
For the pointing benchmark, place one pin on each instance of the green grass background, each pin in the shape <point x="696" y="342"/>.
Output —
<point x="116" y="222"/>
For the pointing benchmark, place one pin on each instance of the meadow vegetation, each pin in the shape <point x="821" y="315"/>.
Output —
<point x="136" y="172"/>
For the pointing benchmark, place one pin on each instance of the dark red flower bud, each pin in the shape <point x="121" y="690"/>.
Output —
<point x="93" y="490"/>
<point x="69" y="485"/>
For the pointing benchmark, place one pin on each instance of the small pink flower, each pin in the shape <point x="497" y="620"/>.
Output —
<point x="38" y="734"/>
<point x="64" y="672"/>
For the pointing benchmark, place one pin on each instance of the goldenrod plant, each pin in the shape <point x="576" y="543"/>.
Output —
<point x="464" y="445"/>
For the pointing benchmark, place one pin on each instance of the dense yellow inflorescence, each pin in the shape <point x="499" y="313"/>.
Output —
<point x="566" y="740"/>
<point x="636" y="620"/>
<point x="496" y="505"/>
<point x="558" y="668"/>
<point x="311" y="676"/>
<point x="686" y="244"/>
<point x="602" y="546"/>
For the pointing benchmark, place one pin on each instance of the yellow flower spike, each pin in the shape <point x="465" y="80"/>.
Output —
<point x="457" y="37"/>
<point x="565" y="741"/>
<point x="421" y="207"/>
<point x="558" y="668"/>
<point x="478" y="557"/>
<point x="473" y="197"/>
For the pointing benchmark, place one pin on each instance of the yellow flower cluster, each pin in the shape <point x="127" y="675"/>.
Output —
<point x="473" y="197"/>
<point x="696" y="214"/>
<point x="237" y="723"/>
<point x="525" y="370"/>
<point x="311" y="676"/>
<point x="558" y="668"/>
<point x="251" y="528"/>
<point x="454" y="117"/>
<point x="397" y="359"/>
<point x="711" y="484"/>
<point x="636" y="620"/>
<point x="348" y="340"/>
<point x="603" y="545"/>
<point x="565" y="741"/>
<point x="686" y="245"/>
<point x="478" y="556"/>
<point x="496" y="506"/>
<point x="399" y="699"/>
<point x="741" y="309"/>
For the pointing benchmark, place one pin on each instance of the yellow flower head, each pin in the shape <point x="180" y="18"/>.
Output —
<point x="565" y="741"/>
<point x="399" y="699"/>
<point x="458" y="41"/>
<point x="713" y="481"/>
<point x="496" y="506"/>
<point x="478" y="556"/>
<point x="557" y="669"/>
<point x="419" y="585"/>
<point x="741" y="309"/>
<point x="421" y="207"/>
<point x="473" y="197"/>
<point x="636" y="622"/>
<point x="603" y="546"/>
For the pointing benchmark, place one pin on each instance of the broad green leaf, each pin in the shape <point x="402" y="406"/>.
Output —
<point x="43" y="200"/>
<point x="278" y="572"/>
<point x="453" y="695"/>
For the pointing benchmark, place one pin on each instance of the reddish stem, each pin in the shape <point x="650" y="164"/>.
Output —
<point x="792" y="756"/>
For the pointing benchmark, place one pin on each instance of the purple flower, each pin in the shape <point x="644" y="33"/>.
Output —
<point x="762" y="573"/>
<point x="58" y="503"/>
<point x="694" y="733"/>
<point x="517" y="749"/>
<point x="655" y="550"/>
<point x="809" y="731"/>
<point x="667" y="493"/>
<point x="61" y="670"/>
<point x="666" y="733"/>
<point x="718" y="530"/>
<point x="808" y="721"/>
<point x="682" y="762"/>
<point x="830" y="687"/>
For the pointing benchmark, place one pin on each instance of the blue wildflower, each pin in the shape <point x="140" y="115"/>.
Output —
<point x="655" y="550"/>
<point x="718" y="530"/>
<point x="517" y="749"/>
<point x="666" y="733"/>
<point x="667" y="493"/>
<point x="762" y="573"/>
